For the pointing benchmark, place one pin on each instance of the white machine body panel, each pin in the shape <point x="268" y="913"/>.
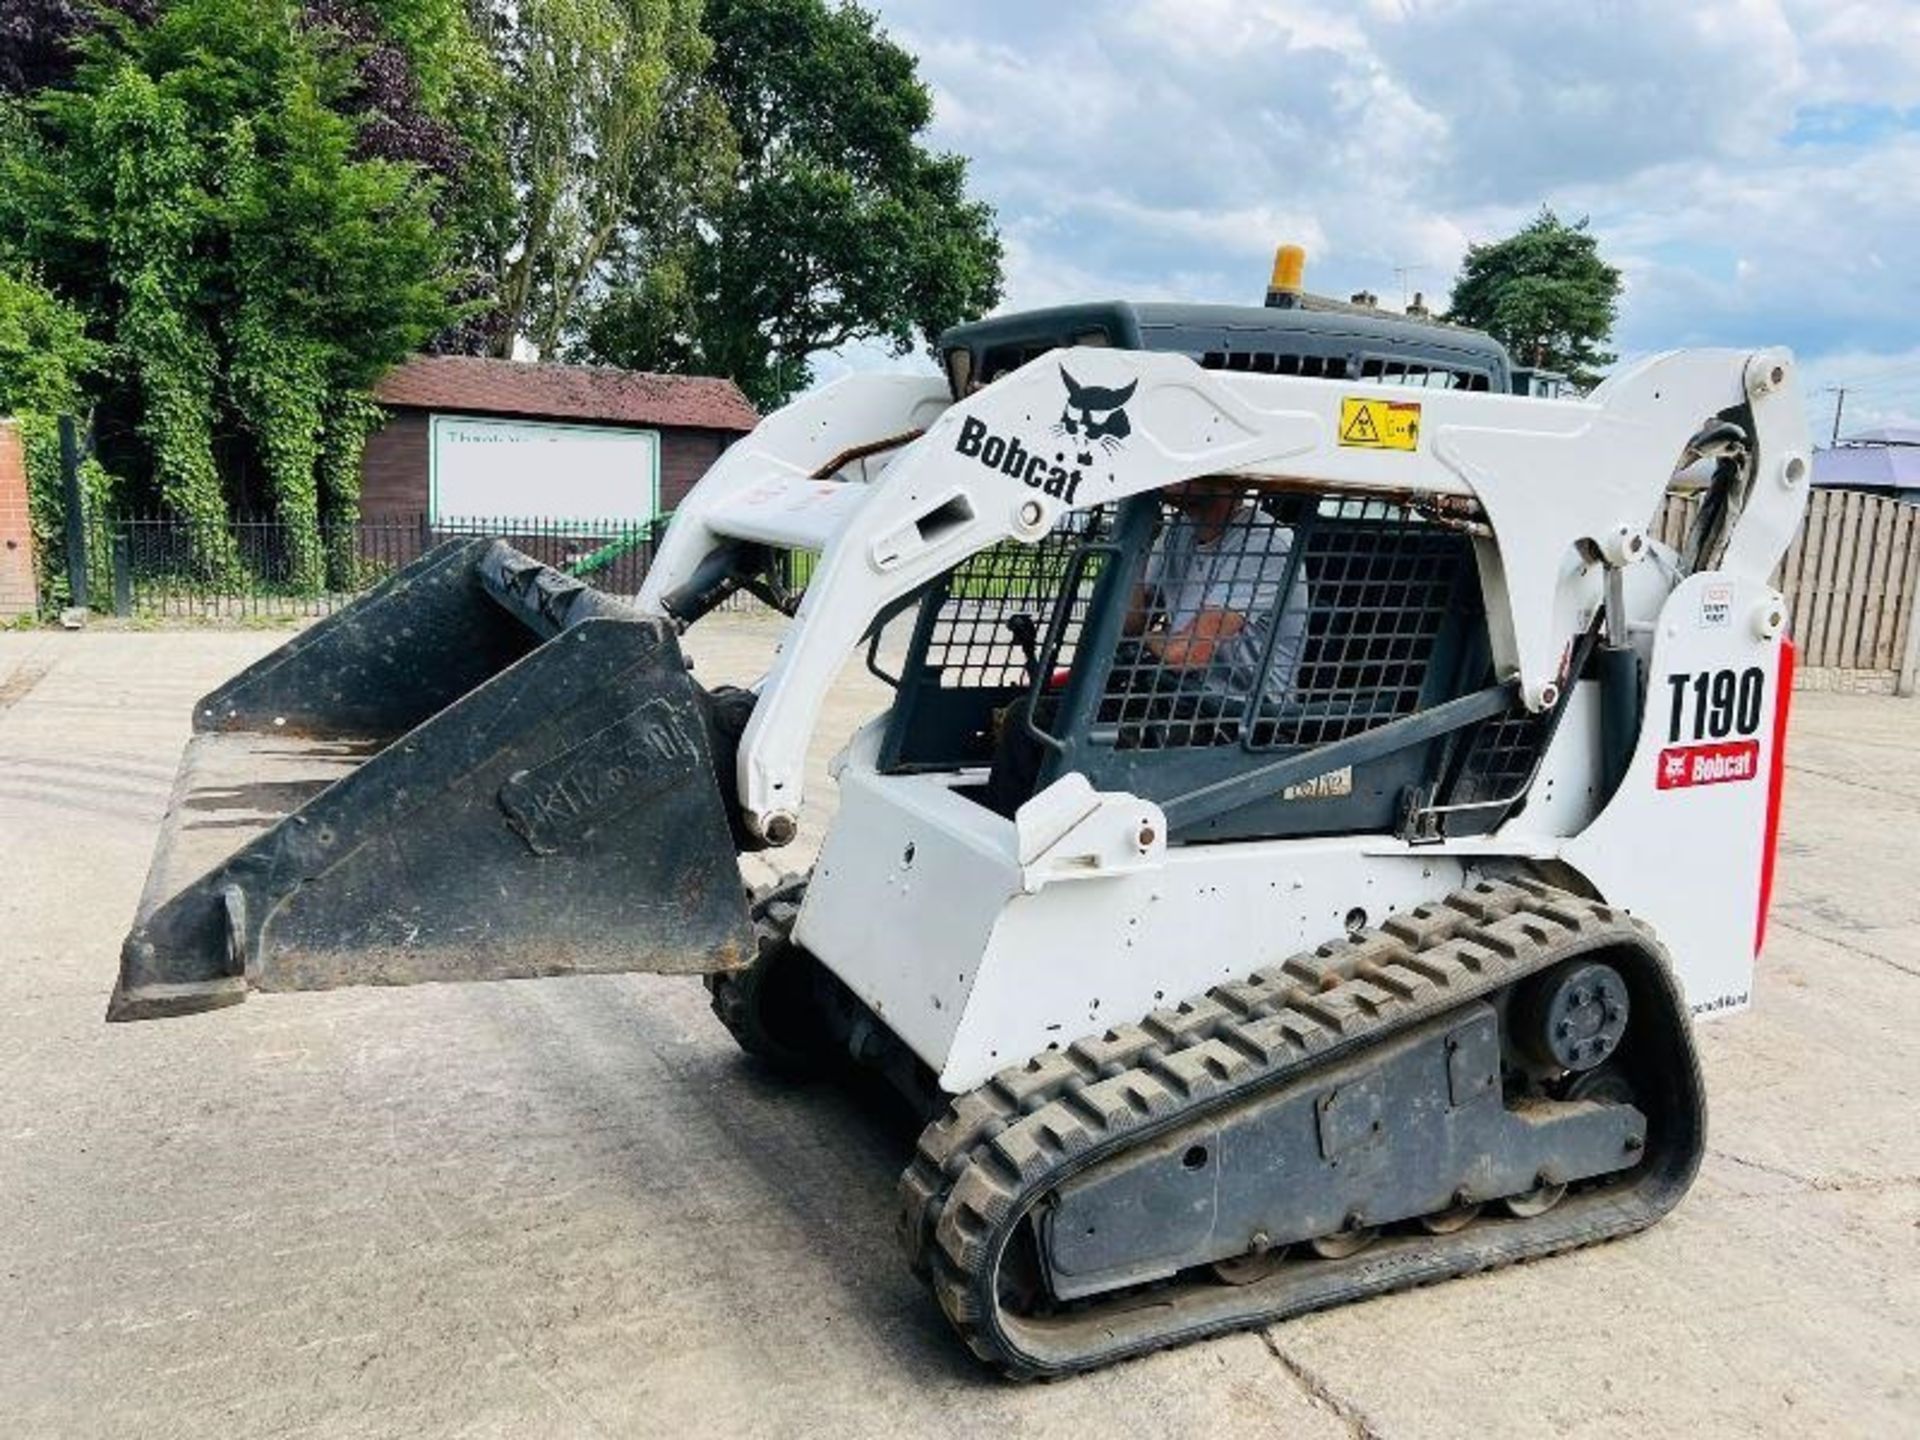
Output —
<point x="1682" y="841"/>
<point x="1073" y="960"/>
<point x="905" y="893"/>
<point x="920" y="903"/>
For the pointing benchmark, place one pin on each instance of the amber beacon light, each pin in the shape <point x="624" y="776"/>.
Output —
<point x="1289" y="272"/>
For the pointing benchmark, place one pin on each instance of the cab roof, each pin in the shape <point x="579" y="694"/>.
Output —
<point x="1317" y="336"/>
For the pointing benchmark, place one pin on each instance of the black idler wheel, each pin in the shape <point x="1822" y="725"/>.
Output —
<point x="1572" y="1018"/>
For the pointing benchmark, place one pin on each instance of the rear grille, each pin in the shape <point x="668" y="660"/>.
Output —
<point x="1372" y="369"/>
<point x="1500" y="757"/>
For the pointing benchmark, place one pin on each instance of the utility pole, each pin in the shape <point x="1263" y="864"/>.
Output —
<point x="1839" y="400"/>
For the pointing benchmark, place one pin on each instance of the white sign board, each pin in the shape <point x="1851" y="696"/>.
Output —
<point x="522" y="469"/>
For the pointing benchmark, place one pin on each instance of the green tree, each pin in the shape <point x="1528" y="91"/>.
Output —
<point x="588" y="83"/>
<point x="430" y="91"/>
<point x="298" y="207"/>
<point x="46" y="361"/>
<point x="835" y="224"/>
<point x="1545" y="294"/>
<point x="45" y="353"/>
<point x="198" y="190"/>
<point x="115" y="210"/>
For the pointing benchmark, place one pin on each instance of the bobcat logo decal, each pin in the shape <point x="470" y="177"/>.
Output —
<point x="1094" y="414"/>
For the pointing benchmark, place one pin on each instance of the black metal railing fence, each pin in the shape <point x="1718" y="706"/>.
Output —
<point x="164" y="567"/>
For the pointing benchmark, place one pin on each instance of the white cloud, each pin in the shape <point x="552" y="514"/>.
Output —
<point x="1860" y="49"/>
<point x="1539" y="96"/>
<point x="1752" y="165"/>
<point x="1882" y="389"/>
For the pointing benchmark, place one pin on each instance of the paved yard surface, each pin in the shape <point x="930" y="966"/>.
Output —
<point x="567" y="1208"/>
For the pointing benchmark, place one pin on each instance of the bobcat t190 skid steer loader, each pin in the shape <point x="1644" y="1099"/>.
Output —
<point x="1276" y="889"/>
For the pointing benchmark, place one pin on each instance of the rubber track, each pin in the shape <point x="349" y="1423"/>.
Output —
<point x="774" y="908"/>
<point x="979" y="1168"/>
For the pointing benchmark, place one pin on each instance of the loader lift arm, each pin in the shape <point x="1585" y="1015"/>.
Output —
<point x="1550" y="476"/>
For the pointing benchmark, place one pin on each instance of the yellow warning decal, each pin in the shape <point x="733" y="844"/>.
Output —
<point x="1380" y="424"/>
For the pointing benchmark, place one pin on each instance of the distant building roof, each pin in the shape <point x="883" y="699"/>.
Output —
<point x="476" y="385"/>
<point x="1885" y="435"/>
<point x="1882" y="459"/>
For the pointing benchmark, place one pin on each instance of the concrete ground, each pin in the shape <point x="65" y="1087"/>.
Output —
<point x="565" y="1208"/>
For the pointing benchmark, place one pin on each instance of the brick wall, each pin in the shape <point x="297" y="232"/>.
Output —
<point x="393" y="472"/>
<point x="17" y="595"/>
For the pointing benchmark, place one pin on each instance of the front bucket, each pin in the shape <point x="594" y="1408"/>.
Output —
<point x="480" y="770"/>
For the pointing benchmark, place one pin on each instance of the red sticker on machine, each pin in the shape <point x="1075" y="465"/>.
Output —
<point x="1683" y="765"/>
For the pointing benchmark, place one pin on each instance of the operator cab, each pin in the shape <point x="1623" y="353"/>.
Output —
<point x="1382" y="600"/>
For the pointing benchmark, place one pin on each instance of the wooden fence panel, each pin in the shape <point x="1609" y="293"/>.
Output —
<point x="1807" y="584"/>
<point x="1887" y="636"/>
<point x="1874" y="581"/>
<point x="1855" y="562"/>
<point x="1851" y="577"/>
<point x="1838" y="531"/>
<point x="1906" y="644"/>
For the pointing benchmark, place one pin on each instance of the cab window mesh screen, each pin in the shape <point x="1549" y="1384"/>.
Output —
<point x="1382" y="584"/>
<point x="991" y="613"/>
<point x="1282" y="624"/>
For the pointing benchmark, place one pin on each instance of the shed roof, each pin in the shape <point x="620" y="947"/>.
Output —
<point x="475" y="385"/>
<point x="1885" y="435"/>
<point x="1887" y="466"/>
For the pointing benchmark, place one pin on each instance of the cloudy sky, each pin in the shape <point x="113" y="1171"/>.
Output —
<point x="1753" y="166"/>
